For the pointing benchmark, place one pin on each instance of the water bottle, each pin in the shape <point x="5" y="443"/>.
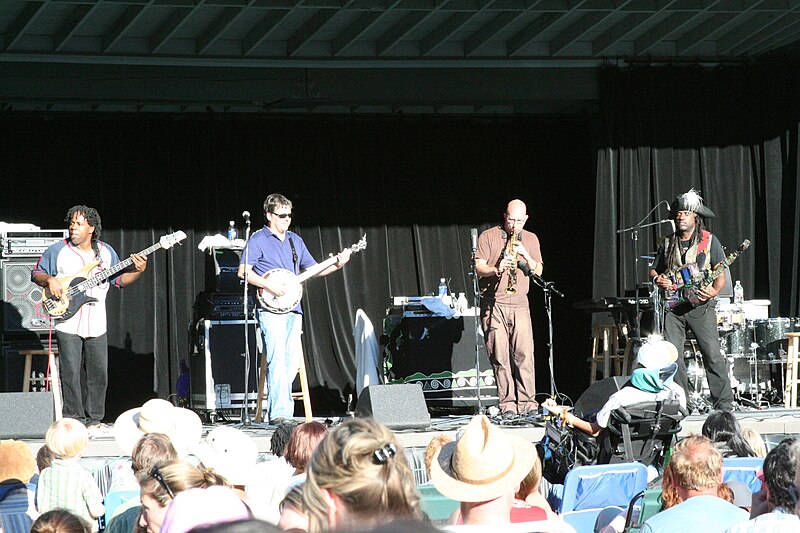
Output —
<point x="461" y="303"/>
<point x="232" y="232"/>
<point x="738" y="293"/>
<point x="442" y="287"/>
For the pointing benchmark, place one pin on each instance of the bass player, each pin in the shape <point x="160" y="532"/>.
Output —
<point x="82" y="340"/>
<point x="275" y="247"/>
<point x="692" y="248"/>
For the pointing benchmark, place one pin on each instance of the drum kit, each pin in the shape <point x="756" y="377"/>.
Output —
<point x="756" y="350"/>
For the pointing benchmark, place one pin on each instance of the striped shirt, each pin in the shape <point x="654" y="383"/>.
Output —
<point x="67" y="485"/>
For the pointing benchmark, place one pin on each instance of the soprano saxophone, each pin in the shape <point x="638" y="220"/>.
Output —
<point x="511" y="253"/>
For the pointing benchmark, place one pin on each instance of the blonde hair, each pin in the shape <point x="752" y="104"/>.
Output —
<point x="178" y="476"/>
<point x="755" y="440"/>
<point x="67" y="438"/>
<point x="434" y="446"/>
<point x="696" y="464"/>
<point x="530" y="483"/>
<point x="362" y="463"/>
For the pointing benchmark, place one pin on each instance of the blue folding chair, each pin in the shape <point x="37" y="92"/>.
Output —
<point x="590" y="489"/>
<point x="115" y="498"/>
<point x="744" y="469"/>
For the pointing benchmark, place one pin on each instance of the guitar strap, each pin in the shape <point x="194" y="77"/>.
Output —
<point x="294" y="254"/>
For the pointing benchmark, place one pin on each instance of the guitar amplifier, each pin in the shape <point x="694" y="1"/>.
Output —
<point x="224" y="305"/>
<point x="31" y="243"/>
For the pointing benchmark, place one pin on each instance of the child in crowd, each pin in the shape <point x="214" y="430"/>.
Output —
<point x="66" y="484"/>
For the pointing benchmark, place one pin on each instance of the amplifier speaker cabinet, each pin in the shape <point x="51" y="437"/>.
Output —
<point x="20" y="297"/>
<point x="222" y="265"/>
<point x="216" y="365"/>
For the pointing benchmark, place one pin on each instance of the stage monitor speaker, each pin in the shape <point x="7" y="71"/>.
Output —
<point x="399" y="406"/>
<point x="20" y="297"/>
<point x="598" y="393"/>
<point x="25" y="415"/>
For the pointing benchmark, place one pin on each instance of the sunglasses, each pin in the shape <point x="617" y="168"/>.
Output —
<point x="794" y="493"/>
<point x="155" y="474"/>
<point x="283" y="215"/>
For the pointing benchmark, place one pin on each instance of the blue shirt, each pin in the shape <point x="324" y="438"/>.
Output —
<point x="708" y="514"/>
<point x="265" y="251"/>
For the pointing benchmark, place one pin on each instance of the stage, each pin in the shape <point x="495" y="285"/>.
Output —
<point x="773" y="424"/>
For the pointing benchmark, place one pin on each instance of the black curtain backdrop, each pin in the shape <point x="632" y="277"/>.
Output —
<point x="730" y="132"/>
<point x="414" y="185"/>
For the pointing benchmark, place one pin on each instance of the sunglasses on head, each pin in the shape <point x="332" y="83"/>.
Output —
<point x="155" y="474"/>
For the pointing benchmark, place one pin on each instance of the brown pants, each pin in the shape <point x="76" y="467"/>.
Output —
<point x="509" y="341"/>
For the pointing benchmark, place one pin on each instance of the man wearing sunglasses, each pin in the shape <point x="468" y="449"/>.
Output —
<point x="276" y="247"/>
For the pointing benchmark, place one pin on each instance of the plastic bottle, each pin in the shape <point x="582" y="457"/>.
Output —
<point x="461" y="303"/>
<point x="738" y="293"/>
<point x="232" y="233"/>
<point x="442" y="287"/>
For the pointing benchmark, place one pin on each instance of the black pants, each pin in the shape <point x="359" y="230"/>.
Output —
<point x="703" y="323"/>
<point x="84" y="376"/>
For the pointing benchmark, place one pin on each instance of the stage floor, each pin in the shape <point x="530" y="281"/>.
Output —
<point x="773" y="423"/>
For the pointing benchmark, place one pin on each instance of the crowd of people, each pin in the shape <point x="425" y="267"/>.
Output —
<point x="356" y="477"/>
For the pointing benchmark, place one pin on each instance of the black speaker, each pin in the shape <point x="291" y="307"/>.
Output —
<point x="399" y="406"/>
<point x="217" y="365"/>
<point x="25" y="415"/>
<point x="598" y="393"/>
<point x="20" y="297"/>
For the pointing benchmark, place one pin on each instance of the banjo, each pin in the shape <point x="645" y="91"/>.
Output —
<point x="294" y="282"/>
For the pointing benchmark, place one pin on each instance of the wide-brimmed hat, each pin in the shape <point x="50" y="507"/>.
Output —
<point x="482" y="464"/>
<point x="16" y="461"/>
<point x="690" y="201"/>
<point x="230" y="452"/>
<point x="182" y="426"/>
<point x="655" y="354"/>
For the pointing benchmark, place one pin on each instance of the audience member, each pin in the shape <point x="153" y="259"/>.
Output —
<point x="773" y="507"/>
<point x="695" y="468"/>
<point x="268" y="475"/>
<point x="756" y="442"/>
<point x="652" y="382"/>
<point x="358" y="477"/>
<point x="482" y="469"/>
<point x="182" y="426"/>
<point x="433" y="448"/>
<point x="203" y="507"/>
<point x="724" y="431"/>
<point x="293" y="513"/>
<point x="44" y="457"/>
<point x="251" y="525"/>
<point x="161" y="483"/>
<point x="66" y="484"/>
<point x="17" y="493"/>
<point x="231" y="453"/>
<point x="60" y="521"/>
<point x="151" y="450"/>
<point x="529" y="488"/>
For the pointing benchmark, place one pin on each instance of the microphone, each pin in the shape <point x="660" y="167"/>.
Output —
<point x="473" y="235"/>
<point x="246" y="215"/>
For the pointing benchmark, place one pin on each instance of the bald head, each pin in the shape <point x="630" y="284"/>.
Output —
<point x="515" y="216"/>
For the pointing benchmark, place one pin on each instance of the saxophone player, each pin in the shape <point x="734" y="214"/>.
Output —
<point x="505" y="315"/>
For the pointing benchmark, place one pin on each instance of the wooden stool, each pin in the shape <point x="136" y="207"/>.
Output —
<point x="792" y="366"/>
<point x="605" y="350"/>
<point x="54" y="378"/>
<point x="302" y="395"/>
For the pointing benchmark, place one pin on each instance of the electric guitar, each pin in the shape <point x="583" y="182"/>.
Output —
<point x="293" y="282"/>
<point x="74" y="287"/>
<point x="688" y="280"/>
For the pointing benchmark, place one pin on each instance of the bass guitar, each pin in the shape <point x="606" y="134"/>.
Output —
<point x="293" y="282"/>
<point x="689" y="279"/>
<point x="74" y="287"/>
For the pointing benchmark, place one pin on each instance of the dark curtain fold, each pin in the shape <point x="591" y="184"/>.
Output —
<point x="729" y="132"/>
<point x="414" y="185"/>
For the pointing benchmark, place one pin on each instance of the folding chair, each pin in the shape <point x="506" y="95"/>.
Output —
<point x="590" y="489"/>
<point x="744" y="469"/>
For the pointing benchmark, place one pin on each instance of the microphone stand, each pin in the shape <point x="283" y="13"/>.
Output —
<point x="548" y="287"/>
<point x="476" y="302"/>
<point x="245" y="416"/>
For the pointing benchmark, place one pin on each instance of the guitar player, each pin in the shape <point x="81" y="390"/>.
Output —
<point x="692" y="243"/>
<point x="82" y="341"/>
<point x="275" y="247"/>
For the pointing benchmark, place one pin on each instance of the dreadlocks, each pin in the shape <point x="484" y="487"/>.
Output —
<point x="93" y="218"/>
<point x="674" y="246"/>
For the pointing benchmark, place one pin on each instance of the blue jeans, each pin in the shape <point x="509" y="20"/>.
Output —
<point x="282" y="350"/>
